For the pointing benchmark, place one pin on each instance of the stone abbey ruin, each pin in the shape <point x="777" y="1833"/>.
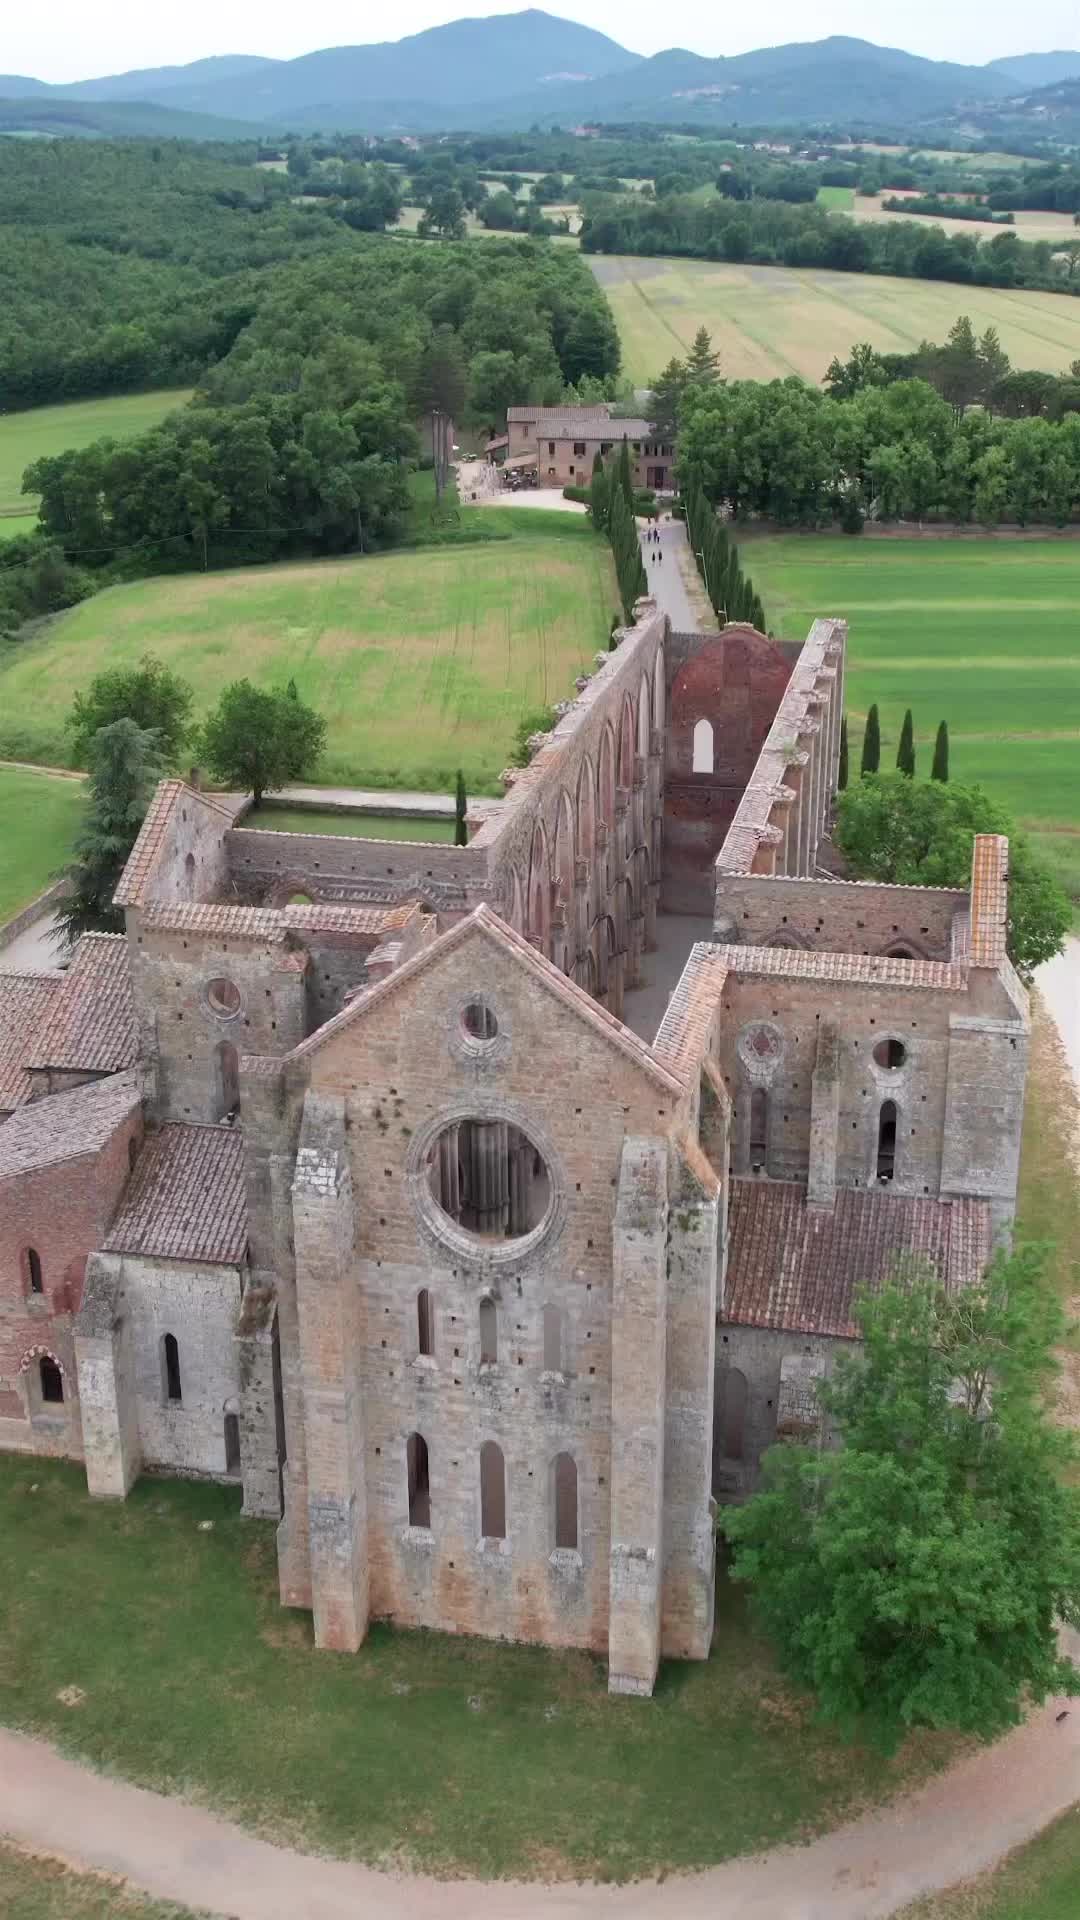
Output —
<point x="486" y="1211"/>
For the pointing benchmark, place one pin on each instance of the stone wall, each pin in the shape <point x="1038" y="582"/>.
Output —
<point x="761" y="1357"/>
<point x="198" y="1305"/>
<point x="267" y="868"/>
<point x="838" y="916"/>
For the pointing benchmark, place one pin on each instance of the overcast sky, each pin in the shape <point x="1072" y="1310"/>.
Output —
<point x="69" y="40"/>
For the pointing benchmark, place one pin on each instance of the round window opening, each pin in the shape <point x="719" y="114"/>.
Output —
<point x="479" y="1022"/>
<point x="223" y="997"/>
<point x="488" y="1178"/>
<point x="890" y="1053"/>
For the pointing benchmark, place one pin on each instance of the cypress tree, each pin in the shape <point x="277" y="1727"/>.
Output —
<point x="598" y="494"/>
<point x="461" y="807"/>
<point x="624" y="477"/>
<point x="871" y="746"/>
<point x="842" y="770"/>
<point x="940" y="768"/>
<point x="905" y="752"/>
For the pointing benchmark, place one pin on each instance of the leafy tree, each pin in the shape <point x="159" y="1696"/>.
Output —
<point x="994" y="364"/>
<point x="919" y="833"/>
<point x="940" y="768"/>
<point x="957" y="369"/>
<point x="444" y="214"/>
<point x="499" y="212"/>
<point x="592" y="344"/>
<point x="905" y="752"/>
<point x="124" y="765"/>
<point x="702" y="364"/>
<point x="871" y="746"/>
<point x="915" y="1577"/>
<point x="150" y="694"/>
<point x="461" y="809"/>
<point x="258" y="741"/>
<point x="842" y="768"/>
<point x="667" y="395"/>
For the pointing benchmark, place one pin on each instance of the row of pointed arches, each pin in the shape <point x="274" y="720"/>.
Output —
<point x="491" y="1466"/>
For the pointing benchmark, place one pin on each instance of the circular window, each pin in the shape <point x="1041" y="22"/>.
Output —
<point x="223" y="998"/>
<point x="479" y="1021"/>
<point x="890" y="1053"/>
<point x="487" y="1178"/>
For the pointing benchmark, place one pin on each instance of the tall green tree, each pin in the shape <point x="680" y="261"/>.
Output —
<point x="599" y="494"/>
<point x="871" y="746"/>
<point x="667" y="394"/>
<point x="150" y="694"/>
<point x="461" y="809"/>
<point x="125" y="764"/>
<point x="842" y="769"/>
<point x="444" y="214"/>
<point x="916" y="1576"/>
<point x="940" y="768"/>
<point x="258" y="741"/>
<point x="702" y="364"/>
<point x="905" y="752"/>
<point x="919" y="833"/>
<point x="624" y="479"/>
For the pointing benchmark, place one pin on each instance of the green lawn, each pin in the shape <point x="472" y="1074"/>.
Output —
<point x="1040" y="1881"/>
<point x="980" y="633"/>
<point x="38" y="816"/>
<point x="36" y="1889"/>
<point x="836" y="199"/>
<point x="366" y="826"/>
<point x="422" y="662"/>
<point x="47" y="430"/>
<point x="11" y="524"/>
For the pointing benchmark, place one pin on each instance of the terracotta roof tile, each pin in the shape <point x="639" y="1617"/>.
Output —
<point x="272" y="924"/>
<point x="989" y="899"/>
<point x="90" y="1027"/>
<point x="145" y="853"/>
<point x="25" y="1000"/>
<point x="64" y="1126"/>
<point x="867" y="969"/>
<point x="560" y="416"/>
<point x="683" y="1034"/>
<point x="186" y="1198"/>
<point x="798" y="1268"/>
<point x="795" y="716"/>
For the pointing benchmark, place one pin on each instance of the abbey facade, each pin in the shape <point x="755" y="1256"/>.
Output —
<point x="361" y="1173"/>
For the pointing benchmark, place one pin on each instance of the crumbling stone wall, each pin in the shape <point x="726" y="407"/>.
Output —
<point x="839" y="916"/>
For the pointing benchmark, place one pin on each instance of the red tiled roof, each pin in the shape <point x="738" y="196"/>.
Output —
<point x="683" y="1035"/>
<point x="90" y="1027"/>
<point x="25" y="1000"/>
<point x="798" y="1268"/>
<point x="272" y="924"/>
<point x="185" y="1199"/>
<point x="867" y="969"/>
<point x="64" y="1126"/>
<point x="989" y="900"/>
<point x="144" y="854"/>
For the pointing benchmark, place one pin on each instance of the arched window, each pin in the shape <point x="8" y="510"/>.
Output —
<point x="489" y="1333"/>
<point x="33" y="1270"/>
<point x="228" y="1066"/>
<point x="171" y="1355"/>
<point x="552" y="1340"/>
<point x="734" y="1427"/>
<point x="189" y="875"/>
<point x="566" y="1516"/>
<point x="900" y="951"/>
<point x="703" y="746"/>
<point x="886" y="1141"/>
<point x="416" y="1455"/>
<point x="492" y="1492"/>
<point x="52" y="1381"/>
<point x="133" y="1153"/>
<point x="759" y="1127"/>
<point x="425" y="1323"/>
<point x="232" y="1444"/>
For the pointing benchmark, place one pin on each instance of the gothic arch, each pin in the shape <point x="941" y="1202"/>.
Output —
<point x="901" y="947"/>
<point x="605" y="779"/>
<point x="586" y="810"/>
<point x="659" y="703"/>
<point x="516" y="902"/>
<point x="564" y="875"/>
<point x="602" y="953"/>
<point x="787" y="937"/>
<point x="644" y="718"/>
<point x="539" y="900"/>
<point x="627" y="737"/>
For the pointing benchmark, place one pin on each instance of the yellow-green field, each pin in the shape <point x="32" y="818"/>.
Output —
<point x="771" y="321"/>
<point x="1028" y="225"/>
<point x="39" y="815"/>
<point x="43" y="431"/>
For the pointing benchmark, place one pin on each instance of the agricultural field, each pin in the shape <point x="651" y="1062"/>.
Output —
<point x="422" y="661"/>
<point x="981" y="633"/>
<point x="1038" y="1881"/>
<point x="1029" y="225"/>
<point x="38" y="431"/>
<point x="39" y="813"/>
<point x="42" y="1889"/>
<point x="836" y="199"/>
<point x="768" y="322"/>
<point x="274" y="818"/>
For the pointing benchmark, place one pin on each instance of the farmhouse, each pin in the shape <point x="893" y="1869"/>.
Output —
<point x="562" y="442"/>
<point x="357" y="1172"/>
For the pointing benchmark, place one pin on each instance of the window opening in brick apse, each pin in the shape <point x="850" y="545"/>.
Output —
<point x="232" y="1444"/>
<point x="890" y="1053"/>
<point x="703" y="746"/>
<point x="33" y="1267"/>
<point x="416" y="1456"/>
<point x="489" y="1333"/>
<point x="566" y="1514"/>
<point x="886" y="1146"/>
<point x="52" y="1382"/>
<point x="489" y="1178"/>
<point x="171" y="1352"/>
<point x="425" y="1323"/>
<point x="492" y="1492"/>
<point x="759" y="1127"/>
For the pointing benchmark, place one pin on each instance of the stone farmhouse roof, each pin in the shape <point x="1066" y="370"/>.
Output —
<point x="90" y="1026"/>
<point x="560" y="416"/>
<point x="25" y="1000"/>
<point x="628" y="429"/>
<point x="185" y="1199"/>
<point x="66" y="1126"/>
<point x="798" y="1268"/>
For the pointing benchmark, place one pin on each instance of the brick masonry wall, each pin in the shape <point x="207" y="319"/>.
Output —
<point x="837" y="916"/>
<point x="199" y="1305"/>
<point x="758" y="1354"/>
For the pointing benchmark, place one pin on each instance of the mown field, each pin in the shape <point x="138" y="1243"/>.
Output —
<point x="48" y="430"/>
<point x="32" y="1888"/>
<point x="38" y="816"/>
<point x="981" y="633"/>
<point x="767" y="322"/>
<point x="422" y="662"/>
<point x="1040" y="1881"/>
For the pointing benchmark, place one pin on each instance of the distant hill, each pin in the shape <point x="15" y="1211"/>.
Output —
<point x="152" y="83"/>
<point x="59" y="117"/>
<point x="1038" y="69"/>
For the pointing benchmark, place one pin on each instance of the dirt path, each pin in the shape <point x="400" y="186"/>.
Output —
<point x="956" y="1826"/>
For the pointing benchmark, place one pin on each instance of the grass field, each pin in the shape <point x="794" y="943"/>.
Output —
<point x="836" y="199"/>
<point x="422" y="662"/>
<point x="1040" y="1881"/>
<point x="48" y="430"/>
<point x="36" y="1889"/>
<point x="272" y="818"/>
<point x="1029" y="225"/>
<point x="767" y="322"/>
<point x="979" y="633"/>
<point x="39" y="813"/>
